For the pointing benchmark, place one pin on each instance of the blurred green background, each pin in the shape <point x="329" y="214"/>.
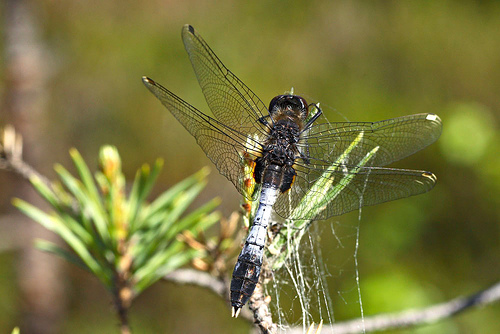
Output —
<point x="363" y="60"/>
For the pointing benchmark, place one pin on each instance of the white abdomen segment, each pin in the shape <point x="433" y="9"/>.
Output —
<point x="247" y="270"/>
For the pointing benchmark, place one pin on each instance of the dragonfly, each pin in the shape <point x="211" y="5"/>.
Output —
<point x="304" y="166"/>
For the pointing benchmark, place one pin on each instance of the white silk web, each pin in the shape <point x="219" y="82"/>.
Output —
<point x="320" y="279"/>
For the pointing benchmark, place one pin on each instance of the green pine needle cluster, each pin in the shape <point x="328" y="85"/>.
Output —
<point x="125" y="241"/>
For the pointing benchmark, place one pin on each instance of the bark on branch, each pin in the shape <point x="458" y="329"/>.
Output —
<point x="380" y="322"/>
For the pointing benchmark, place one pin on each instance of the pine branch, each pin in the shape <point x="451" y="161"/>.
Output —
<point x="124" y="240"/>
<point x="388" y="321"/>
<point x="11" y="149"/>
<point x="199" y="278"/>
<point x="422" y="316"/>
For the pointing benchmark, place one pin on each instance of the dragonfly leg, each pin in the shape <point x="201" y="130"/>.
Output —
<point x="263" y="119"/>
<point x="314" y="118"/>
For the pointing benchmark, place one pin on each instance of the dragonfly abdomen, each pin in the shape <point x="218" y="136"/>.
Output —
<point x="274" y="175"/>
<point x="247" y="270"/>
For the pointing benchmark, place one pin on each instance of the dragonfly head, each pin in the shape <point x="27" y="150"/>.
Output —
<point x="291" y="106"/>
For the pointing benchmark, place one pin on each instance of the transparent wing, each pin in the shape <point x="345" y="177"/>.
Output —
<point x="346" y="188"/>
<point x="335" y="174"/>
<point x="395" y="138"/>
<point x="338" y="177"/>
<point x="230" y="100"/>
<point x="226" y="147"/>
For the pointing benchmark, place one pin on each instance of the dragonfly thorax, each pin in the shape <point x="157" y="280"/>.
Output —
<point x="284" y="133"/>
<point x="275" y="167"/>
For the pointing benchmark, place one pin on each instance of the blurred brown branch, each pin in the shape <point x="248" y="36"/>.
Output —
<point x="422" y="316"/>
<point x="220" y="288"/>
<point x="380" y="322"/>
<point x="413" y="318"/>
<point x="11" y="151"/>
<point x="198" y="278"/>
<point x="11" y="158"/>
